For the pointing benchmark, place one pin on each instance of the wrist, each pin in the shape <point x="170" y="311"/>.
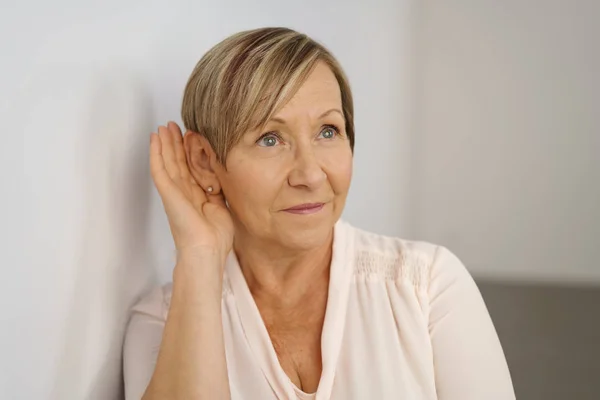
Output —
<point x="200" y="272"/>
<point x="200" y="255"/>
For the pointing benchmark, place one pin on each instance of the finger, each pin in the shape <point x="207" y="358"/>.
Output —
<point x="157" y="166"/>
<point x="215" y="206"/>
<point x="180" y="157"/>
<point x="166" y="187"/>
<point x="199" y="197"/>
<point x="168" y="153"/>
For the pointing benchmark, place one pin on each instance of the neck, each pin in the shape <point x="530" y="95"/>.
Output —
<point x="276" y="274"/>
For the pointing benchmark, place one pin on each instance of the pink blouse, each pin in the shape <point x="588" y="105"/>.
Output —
<point x="404" y="320"/>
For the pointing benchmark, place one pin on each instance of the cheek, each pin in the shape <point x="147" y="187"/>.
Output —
<point x="338" y="166"/>
<point x="252" y="184"/>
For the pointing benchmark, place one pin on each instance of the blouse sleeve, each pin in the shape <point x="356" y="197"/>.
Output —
<point x="469" y="363"/>
<point x="142" y="343"/>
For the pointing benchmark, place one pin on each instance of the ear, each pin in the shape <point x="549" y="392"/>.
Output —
<point x="200" y="159"/>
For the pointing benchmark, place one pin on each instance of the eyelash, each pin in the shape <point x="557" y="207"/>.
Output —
<point x="274" y="133"/>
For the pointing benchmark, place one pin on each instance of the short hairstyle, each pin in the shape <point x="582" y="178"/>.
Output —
<point x="241" y="82"/>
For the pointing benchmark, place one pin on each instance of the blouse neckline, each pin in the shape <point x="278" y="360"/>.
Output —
<point x="256" y="333"/>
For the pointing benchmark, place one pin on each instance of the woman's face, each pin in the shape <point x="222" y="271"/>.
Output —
<point x="288" y="183"/>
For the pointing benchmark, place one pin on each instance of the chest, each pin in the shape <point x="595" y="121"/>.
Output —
<point x="296" y="339"/>
<point x="370" y="350"/>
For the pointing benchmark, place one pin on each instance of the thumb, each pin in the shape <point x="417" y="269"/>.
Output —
<point x="217" y="199"/>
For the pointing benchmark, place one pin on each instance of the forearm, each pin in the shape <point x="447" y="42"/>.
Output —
<point x="191" y="362"/>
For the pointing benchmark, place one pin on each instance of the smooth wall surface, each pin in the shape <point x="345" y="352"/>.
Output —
<point x="83" y="85"/>
<point x="507" y="143"/>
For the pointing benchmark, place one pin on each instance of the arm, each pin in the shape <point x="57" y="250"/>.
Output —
<point x="468" y="359"/>
<point x="191" y="361"/>
<point x="184" y="357"/>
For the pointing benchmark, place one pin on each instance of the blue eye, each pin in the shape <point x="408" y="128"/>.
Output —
<point x="267" y="140"/>
<point x="329" y="132"/>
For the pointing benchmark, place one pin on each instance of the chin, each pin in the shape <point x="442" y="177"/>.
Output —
<point x="307" y="239"/>
<point x="306" y="232"/>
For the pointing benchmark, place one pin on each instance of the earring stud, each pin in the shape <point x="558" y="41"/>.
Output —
<point x="209" y="189"/>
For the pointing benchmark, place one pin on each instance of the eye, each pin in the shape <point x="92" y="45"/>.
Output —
<point x="268" y="140"/>
<point x="329" y="132"/>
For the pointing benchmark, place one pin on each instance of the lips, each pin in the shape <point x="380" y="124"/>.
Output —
<point x="306" y="208"/>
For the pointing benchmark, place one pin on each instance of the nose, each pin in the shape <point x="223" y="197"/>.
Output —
<point x="307" y="170"/>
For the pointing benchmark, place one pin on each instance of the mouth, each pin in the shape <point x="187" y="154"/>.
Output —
<point x="307" y="208"/>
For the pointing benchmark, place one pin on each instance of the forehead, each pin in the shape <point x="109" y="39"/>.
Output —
<point x="320" y="90"/>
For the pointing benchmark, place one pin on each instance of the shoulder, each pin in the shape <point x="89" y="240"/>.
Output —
<point x="154" y="302"/>
<point x="420" y="263"/>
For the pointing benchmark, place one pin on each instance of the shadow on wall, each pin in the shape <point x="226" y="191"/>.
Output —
<point x="113" y="265"/>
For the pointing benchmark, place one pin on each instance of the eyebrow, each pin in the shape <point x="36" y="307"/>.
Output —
<point x="326" y="113"/>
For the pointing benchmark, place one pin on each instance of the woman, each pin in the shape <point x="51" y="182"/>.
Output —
<point x="273" y="297"/>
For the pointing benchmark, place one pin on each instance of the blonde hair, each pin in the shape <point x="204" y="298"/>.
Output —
<point x="240" y="83"/>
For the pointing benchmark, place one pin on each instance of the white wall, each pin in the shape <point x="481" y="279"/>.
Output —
<point x="507" y="145"/>
<point x="82" y="86"/>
